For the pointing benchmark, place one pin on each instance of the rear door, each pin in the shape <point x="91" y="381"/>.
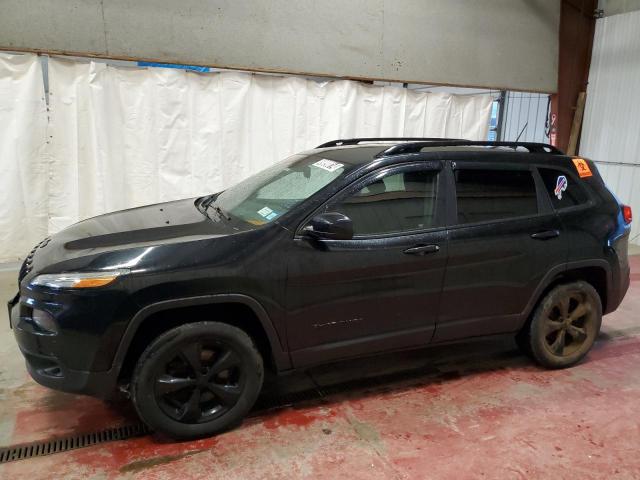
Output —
<point x="503" y="239"/>
<point x="380" y="290"/>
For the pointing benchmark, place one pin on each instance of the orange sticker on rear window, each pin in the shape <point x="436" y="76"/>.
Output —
<point x="582" y="167"/>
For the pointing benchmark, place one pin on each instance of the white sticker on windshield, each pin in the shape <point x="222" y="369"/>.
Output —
<point x="328" y="165"/>
<point x="271" y="216"/>
<point x="265" y="212"/>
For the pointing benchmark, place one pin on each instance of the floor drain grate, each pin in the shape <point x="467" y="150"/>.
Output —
<point x="49" y="447"/>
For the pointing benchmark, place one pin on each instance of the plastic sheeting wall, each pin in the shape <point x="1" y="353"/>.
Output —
<point x="23" y="171"/>
<point x="610" y="133"/>
<point x="123" y="137"/>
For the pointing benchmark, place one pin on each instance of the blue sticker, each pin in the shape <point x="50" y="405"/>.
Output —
<point x="561" y="186"/>
<point x="271" y="216"/>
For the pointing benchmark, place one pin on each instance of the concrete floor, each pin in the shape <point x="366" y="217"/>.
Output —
<point x="478" y="410"/>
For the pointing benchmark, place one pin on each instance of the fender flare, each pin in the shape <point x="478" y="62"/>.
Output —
<point x="280" y="356"/>
<point x="554" y="272"/>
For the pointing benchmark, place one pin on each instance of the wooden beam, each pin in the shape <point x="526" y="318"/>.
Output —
<point x="576" y="126"/>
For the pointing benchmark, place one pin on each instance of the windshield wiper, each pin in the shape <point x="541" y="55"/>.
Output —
<point x="218" y="210"/>
<point x="208" y="201"/>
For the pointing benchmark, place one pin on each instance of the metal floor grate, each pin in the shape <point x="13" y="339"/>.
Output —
<point x="64" y="444"/>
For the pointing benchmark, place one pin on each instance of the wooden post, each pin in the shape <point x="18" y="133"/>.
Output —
<point x="577" y="124"/>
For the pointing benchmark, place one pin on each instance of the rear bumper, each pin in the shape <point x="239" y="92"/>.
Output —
<point x="616" y="293"/>
<point x="47" y="369"/>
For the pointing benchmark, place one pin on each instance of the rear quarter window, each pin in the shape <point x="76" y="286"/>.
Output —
<point x="564" y="190"/>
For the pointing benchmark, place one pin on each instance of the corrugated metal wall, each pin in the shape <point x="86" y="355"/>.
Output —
<point x="611" y="129"/>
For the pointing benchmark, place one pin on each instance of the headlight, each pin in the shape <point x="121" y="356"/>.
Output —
<point x="78" y="280"/>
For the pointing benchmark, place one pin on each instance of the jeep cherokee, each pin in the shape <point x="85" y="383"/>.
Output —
<point x="356" y="247"/>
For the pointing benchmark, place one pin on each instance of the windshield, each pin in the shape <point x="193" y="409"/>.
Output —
<point x="264" y="197"/>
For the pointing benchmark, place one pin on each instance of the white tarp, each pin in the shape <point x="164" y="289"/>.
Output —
<point x="23" y="166"/>
<point x="610" y="129"/>
<point x="123" y="137"/>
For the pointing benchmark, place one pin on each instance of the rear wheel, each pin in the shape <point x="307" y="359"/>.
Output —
<point x="564" y="326"/>
<point x="197" y="380"/>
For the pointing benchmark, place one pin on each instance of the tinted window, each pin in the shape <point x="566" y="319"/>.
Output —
<point x="395" y="203"/>
<point x="485" y="195"/>
<point x="563" y="190"/>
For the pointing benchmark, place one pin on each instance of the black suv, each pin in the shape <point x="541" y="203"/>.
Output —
<point x="356" y="247"/>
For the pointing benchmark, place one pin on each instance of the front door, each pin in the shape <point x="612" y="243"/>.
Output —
<point x="380" y="290"/>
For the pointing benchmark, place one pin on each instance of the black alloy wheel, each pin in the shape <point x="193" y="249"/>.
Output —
<point x="564" y="325"/>
<point x="568" y="323"/>
<point x="197" y="380"/>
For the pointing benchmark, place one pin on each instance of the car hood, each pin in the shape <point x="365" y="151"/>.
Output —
<point x="132" y="229"/>
<point x="143" y="225"/>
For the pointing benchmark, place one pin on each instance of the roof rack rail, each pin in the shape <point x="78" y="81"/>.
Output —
<point x="416" y="147"/>
<point x="355" y="141"/>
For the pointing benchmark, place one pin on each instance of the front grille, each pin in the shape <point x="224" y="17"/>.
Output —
<point x="27" y="265"/>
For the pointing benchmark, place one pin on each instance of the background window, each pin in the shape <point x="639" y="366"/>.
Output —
<point x="572" y="195"/>
<point x="396" y="203"/>
<point x="485" y="195"/>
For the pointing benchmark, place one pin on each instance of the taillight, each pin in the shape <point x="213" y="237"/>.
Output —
<point x="627" y="214"/>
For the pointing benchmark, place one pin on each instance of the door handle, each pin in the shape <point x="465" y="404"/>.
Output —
<point x="546" y="235"/>
<point x="422" y="250"/>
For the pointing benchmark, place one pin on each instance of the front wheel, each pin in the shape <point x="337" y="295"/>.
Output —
<point x="197" y="380"/>
<point x="564" y="326"/>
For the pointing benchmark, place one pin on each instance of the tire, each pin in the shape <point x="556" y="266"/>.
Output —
<point x="564" y="326"/>
<point x="197" y="380"/>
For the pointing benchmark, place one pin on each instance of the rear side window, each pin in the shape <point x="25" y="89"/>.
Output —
<point x="485" y="195"/>
<point x="563" y="190"/>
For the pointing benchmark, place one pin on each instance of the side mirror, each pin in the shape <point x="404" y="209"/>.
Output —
<point x="329" y="226"/>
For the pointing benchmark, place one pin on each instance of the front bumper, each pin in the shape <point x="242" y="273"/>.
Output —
<point x="43" y="364"/>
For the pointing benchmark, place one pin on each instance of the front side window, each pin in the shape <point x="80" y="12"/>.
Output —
<point x="396" y="203"/>
<point x="486" y="195"/>
<point x="563" y="190"/>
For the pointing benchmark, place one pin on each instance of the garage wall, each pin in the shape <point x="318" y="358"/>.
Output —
<point x="23" y="156"/>
<point x="615" y="7"/>
<point x="511" y="44"/>
<point x="120" y="137"/>
<point x="611" y="127"/>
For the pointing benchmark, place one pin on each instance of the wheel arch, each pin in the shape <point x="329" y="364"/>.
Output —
<point x="596" y="272"/>
<point x="156" y="318"/>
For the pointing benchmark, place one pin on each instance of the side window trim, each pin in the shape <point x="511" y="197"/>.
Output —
<point x="359" y="183"/>
<point x="544" y="202"/>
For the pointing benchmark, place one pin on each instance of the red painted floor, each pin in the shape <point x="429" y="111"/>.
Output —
<point x="481" y="411"/>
